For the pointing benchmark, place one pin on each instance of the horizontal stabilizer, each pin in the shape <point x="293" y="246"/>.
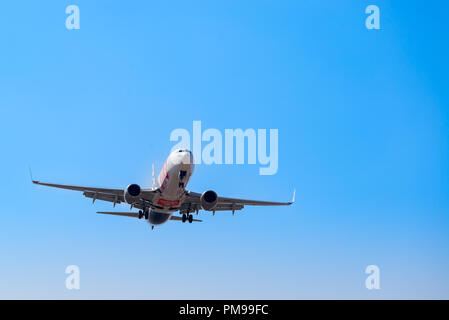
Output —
<point x="136" y="215"/>
<point x="125" y="214"/>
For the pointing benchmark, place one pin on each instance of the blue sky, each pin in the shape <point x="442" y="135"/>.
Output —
<point x="363" y="137"/>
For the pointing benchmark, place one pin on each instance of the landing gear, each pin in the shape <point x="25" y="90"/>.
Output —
<point x="187" y="217"/>
<point x="182" y="174"/>
<point x="143" y="213"/>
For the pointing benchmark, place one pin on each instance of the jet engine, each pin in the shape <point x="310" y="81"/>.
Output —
<point x="132" y="193"/>
<point x="209" y="200"/>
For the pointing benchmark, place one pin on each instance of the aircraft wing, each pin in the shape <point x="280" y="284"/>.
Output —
<point x="192" y="203"/>
<point x="105" y="194"/>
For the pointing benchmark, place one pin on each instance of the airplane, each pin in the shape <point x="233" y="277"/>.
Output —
<point x="167" y="196"/>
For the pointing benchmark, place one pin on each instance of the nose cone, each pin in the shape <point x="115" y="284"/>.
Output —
<point x="187" y="158"/>
<point x="182" y="157"/>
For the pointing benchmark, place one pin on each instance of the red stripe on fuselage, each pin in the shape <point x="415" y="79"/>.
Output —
<point x="163" y="177"/>
<point x="167" y="203"/>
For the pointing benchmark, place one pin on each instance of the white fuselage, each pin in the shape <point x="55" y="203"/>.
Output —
<point x="171" y="182"/>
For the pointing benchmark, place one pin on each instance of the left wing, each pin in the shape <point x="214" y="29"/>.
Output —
<point x="192" y="203"/>
<point x="105" y="194"/>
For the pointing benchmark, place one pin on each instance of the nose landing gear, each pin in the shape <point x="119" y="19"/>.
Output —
<point x="182" y="174"/>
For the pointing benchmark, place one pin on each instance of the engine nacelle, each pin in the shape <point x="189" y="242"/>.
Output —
<point x="132" y="193"/>
<point x="209" y="200"/>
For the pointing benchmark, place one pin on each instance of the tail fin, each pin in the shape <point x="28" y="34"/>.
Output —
<point x="154" y="179"/>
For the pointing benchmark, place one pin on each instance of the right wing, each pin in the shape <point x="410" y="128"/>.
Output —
<point x="105" y="194"/>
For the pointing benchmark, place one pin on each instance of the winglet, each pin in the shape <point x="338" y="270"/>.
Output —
<point x="294" y="194"/>
<point x="31" y="176"/>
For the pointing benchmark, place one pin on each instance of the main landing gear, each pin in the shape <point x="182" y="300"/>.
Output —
<point x="187" y="217"/>
<point x="143" y="213"/>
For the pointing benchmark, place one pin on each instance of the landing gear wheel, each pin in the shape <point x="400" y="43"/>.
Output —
<point x="190" y="218"/>
<point x="140" y="214"/>
<point x="184" y="217"/>
<point x="146" y="214"/>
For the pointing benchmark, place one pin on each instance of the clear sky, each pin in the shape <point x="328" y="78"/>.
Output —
<point x="363" y="137"/>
